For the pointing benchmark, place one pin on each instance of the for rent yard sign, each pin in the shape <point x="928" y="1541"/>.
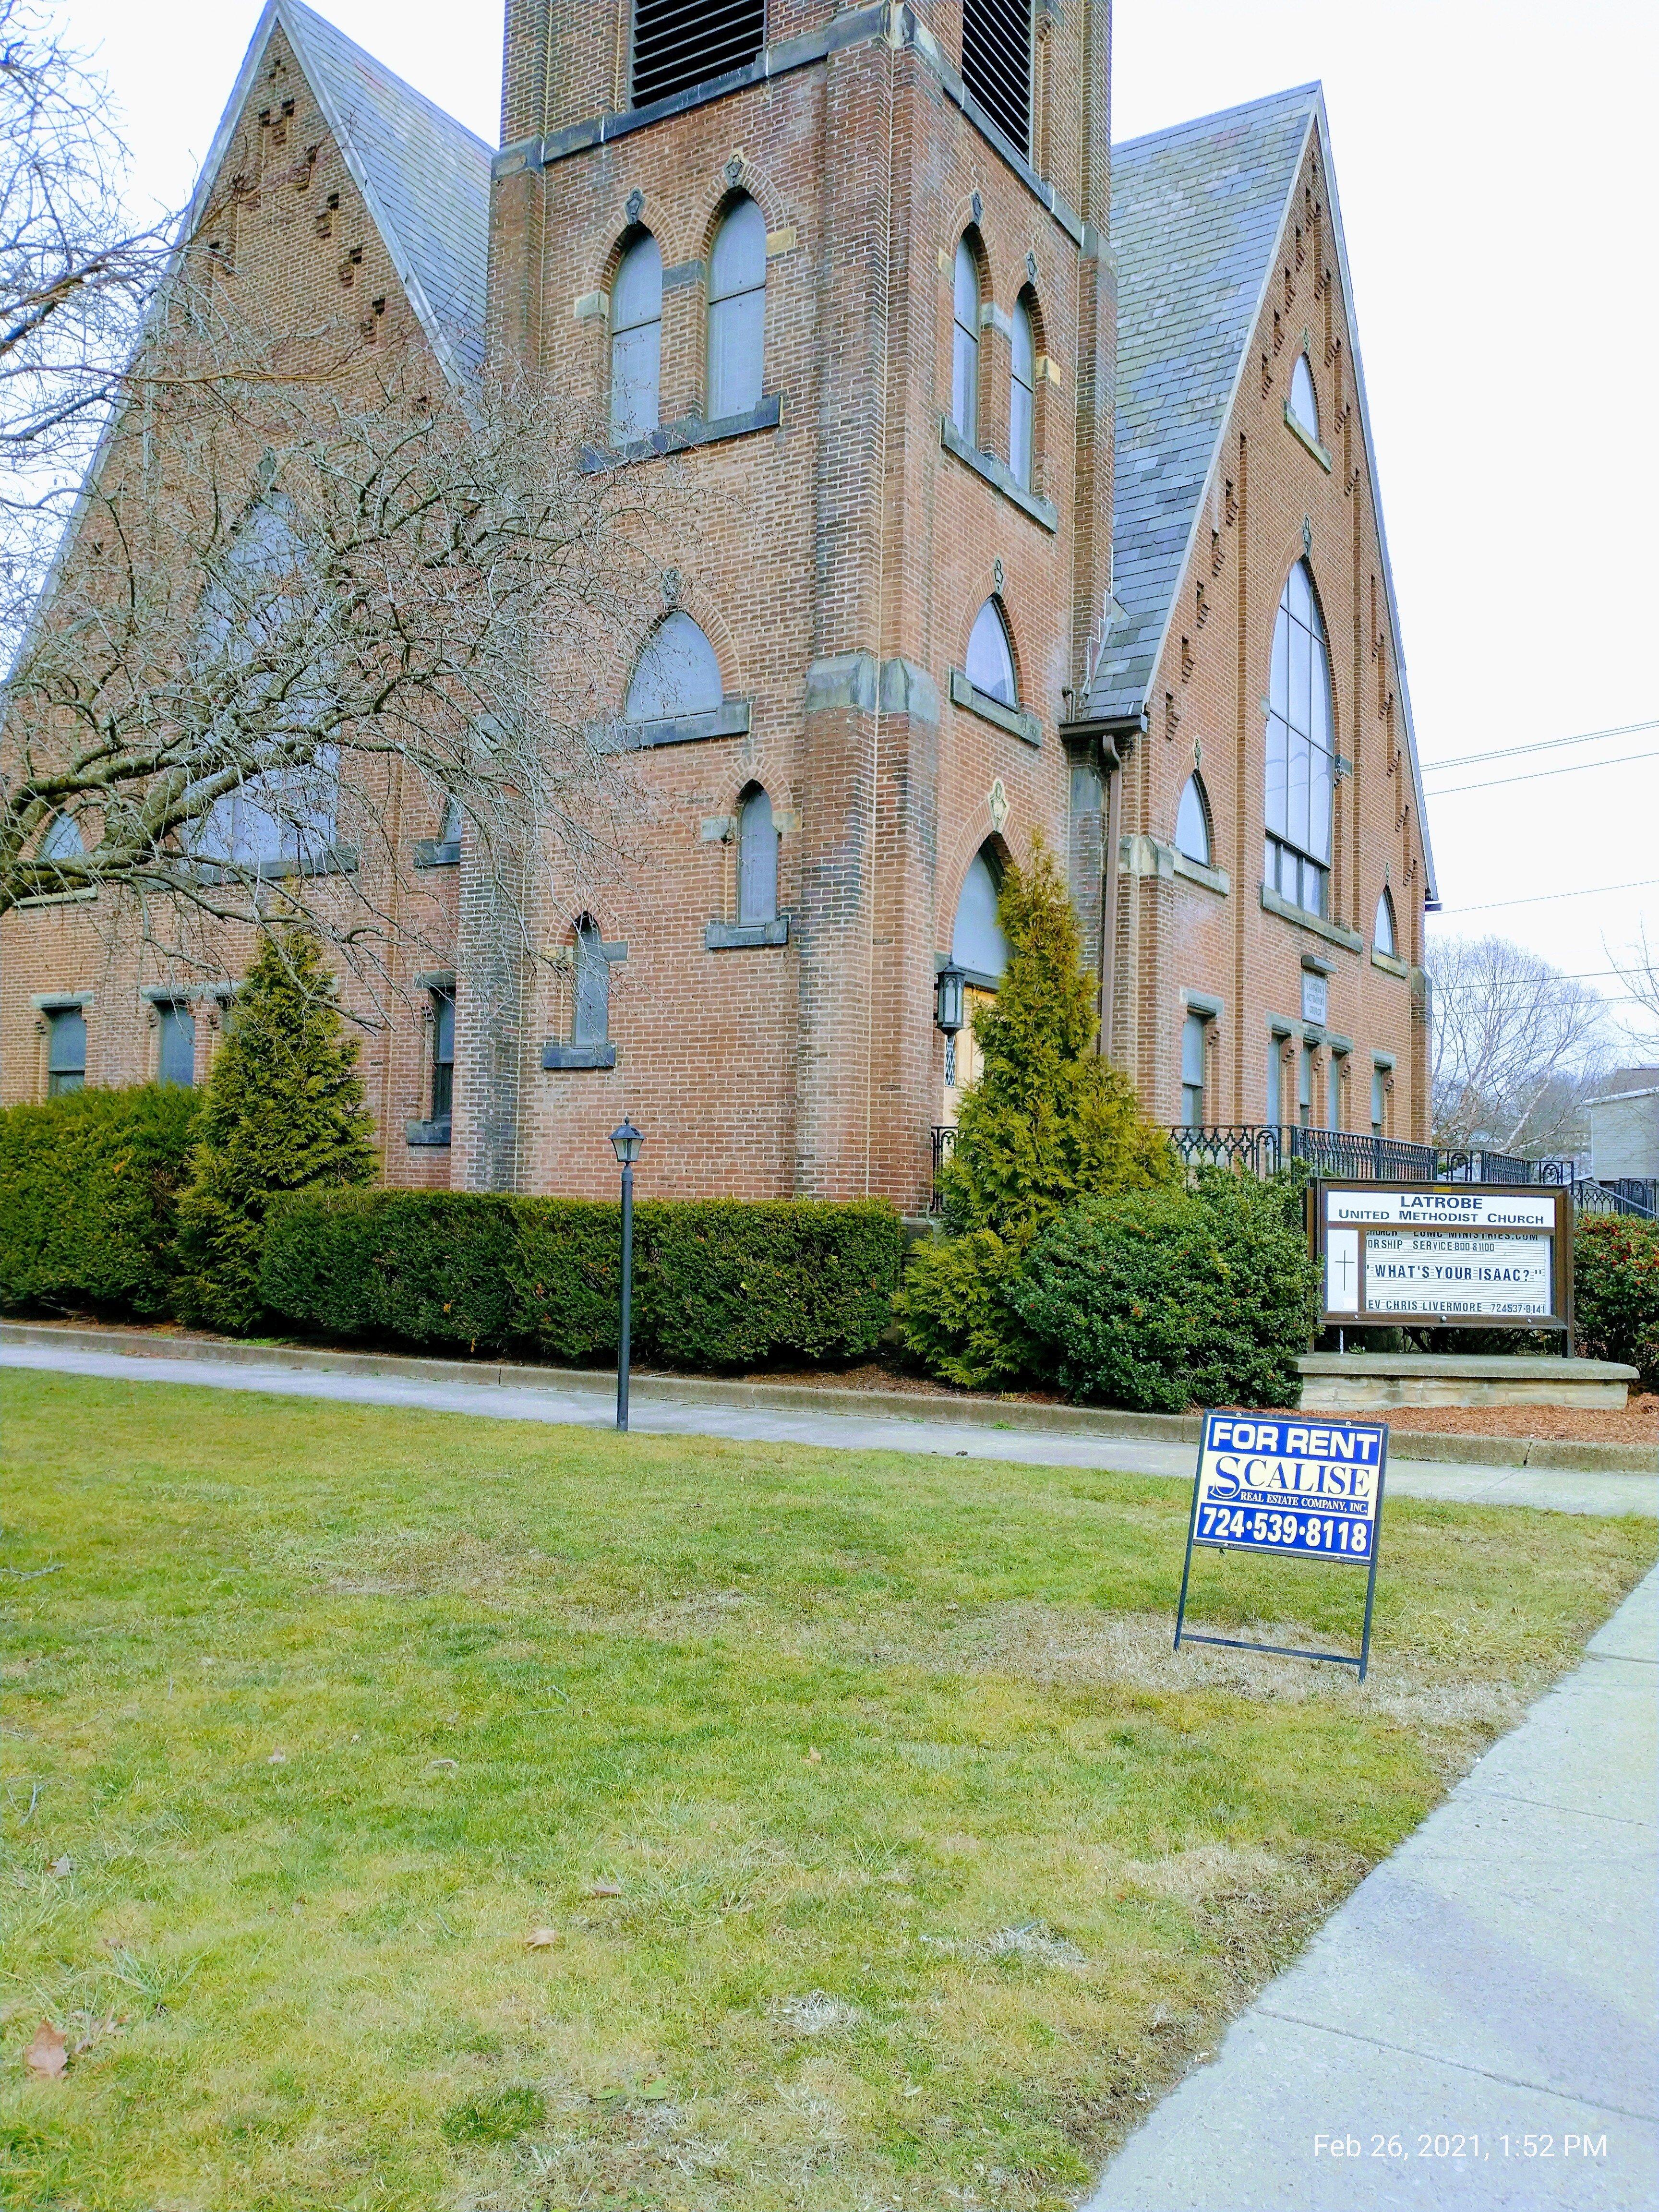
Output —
<point x="1310" y="1490"/>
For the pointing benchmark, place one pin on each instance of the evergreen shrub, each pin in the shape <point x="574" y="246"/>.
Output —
<point x="718" y="1285"/>
<point x="1615" y="1292"/>
<point x="1157" y="1300"/>
<point x="1049" y="1121"/>
<point x="89" y="1187"/>
<point x="282" y="1111"/>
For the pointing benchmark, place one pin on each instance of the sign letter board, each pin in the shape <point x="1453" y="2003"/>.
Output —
<point x="1307" y="1489"/>
<point x="1455" y="1255"/>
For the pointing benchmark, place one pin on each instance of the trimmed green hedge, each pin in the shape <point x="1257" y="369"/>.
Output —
<point x="89" y="1188"/>
<point x="721" y="1284"/>
<point x="1615" y="1292"/>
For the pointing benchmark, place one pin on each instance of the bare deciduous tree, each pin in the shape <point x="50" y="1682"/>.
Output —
<point x="1639" y="971"/>
<point x="315" y="600"/>
<point x="73" y="281"/>
<point x="1516" y="1047"/>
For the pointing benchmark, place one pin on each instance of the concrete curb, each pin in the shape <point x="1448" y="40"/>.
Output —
<point x="801" y="1398"/>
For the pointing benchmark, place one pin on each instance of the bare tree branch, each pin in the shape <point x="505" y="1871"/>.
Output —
<point x="1517" y="1047"/>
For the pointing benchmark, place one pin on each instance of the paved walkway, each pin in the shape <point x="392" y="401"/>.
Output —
<point x="653" y="1412"/>
<point x="1488" y="1992"/>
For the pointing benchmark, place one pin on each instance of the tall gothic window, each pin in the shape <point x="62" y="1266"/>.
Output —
<point x="1304" y="400"/>
<point x="592" y="1018"/>
<point x="757" y="858"/>
<point x="996" y="64"/>
<point x="676" y="674"/>
<point x="636" y="342"/>
<point x="1022" y="398"/>
<point x="1192" y="821"/>
<point x="977" y="942"/>
<point x="1300" y="766"/>
<point x="990" y="666"/>
<point x="676" y="47"/>
<point x="964" y="343"/>
<point x="1384" y="937"/>
<point x="736" y="312"/>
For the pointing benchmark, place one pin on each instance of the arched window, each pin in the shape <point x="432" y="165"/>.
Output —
<point x="63" y="841"/>
<point x="592" y="1022"/>
<point x="1300" y="768"/>
<point x="636" y="341"/>
<point x="964" y="343"/>
<point x="977" y="942"/>
<point x="990" y="666"/>
<point x="676" y="674"/>
<point x="1304" y="400"/>
<point x="1021" y="400"/>
<point x="757" y="858"/>
<point x="450" y="832"/>
<point x="1383" y="934"/>
<point x="736" y="312"/>
<point x="1192" y="821"/>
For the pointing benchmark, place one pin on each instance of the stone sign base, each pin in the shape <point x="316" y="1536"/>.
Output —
<point x="1356" y="1381"/>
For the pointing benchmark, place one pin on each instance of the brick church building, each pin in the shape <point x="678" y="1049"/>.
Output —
<point x="1041" y="502"/>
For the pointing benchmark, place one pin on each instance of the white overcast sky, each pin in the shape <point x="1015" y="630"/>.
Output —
<point x="1494" y="161"/>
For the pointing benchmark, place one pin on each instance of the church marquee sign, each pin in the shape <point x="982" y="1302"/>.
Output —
<point x="1447" y="1255"/>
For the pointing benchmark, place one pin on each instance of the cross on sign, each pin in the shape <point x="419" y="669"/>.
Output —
<point x="1344" y="1261"/>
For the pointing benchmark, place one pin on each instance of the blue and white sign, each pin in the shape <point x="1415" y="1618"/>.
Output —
<point x="1309" y="1490"/>
<point x="1272" y="1484"/>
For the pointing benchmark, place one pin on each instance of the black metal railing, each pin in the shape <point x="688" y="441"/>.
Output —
<point x="1633" y="1195"/>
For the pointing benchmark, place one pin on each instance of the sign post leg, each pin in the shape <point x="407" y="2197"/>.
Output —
<point x="1185" y="1571"/>
<point x="1371" y="1575"/>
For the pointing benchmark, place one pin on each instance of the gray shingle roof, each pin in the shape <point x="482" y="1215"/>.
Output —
<point x="424" y="176"/>
<point x="1196" y="213"/>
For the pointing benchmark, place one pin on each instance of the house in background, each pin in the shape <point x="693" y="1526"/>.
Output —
<point x="1624" y="1121"/>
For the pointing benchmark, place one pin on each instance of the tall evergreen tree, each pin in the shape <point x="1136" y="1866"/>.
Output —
<point x="283" y="1110"/>
<point x="1049" y="1121"/>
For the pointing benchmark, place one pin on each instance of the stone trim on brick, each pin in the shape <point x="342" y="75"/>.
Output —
<point x="60" y="898"/>
<point x="1196" y="871"/>
<point x="568" y="1057"/>
<point x="998" y="475"/>
<point x="729" y="720"/>
<point x="62" y="1002"/>
<point x="690" y="431"/>
<point x="1331" y="932"/>
<point x="1302" y="438"/>
<point x="1389" y="965"/>
<point x="740" y="936"/>
<point x="435" y="852"/>
<point x="1019" y="722"/>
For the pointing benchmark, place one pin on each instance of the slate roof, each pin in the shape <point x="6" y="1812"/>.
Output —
<point x="424" y="177"/>
<point x="1196" y="213"/>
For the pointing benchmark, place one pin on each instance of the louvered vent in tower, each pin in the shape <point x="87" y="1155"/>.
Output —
<point x="680" y="43"/>
<point x="996" y="63"/>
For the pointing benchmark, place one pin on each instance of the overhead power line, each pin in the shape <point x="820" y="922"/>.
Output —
<point x="1542" y="898"/>
<point x="1537" y="774"/>
<point x="1543" y="745"/>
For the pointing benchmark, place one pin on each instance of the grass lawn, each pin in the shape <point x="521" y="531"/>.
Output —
<point x="893" y="1858"/>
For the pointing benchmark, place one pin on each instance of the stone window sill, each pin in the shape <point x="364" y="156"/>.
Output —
<point x="998" y="475"/>
<point x="60" y="898"/>
<point x="569" y="1056"/>
<point x="427" y="1133"/>
<point x="739" y="936"/>
<point x="1019" y="722"/>
<point x="336" y="860"/>
<point x="434" y="853"/>
<point x="1331" y="932"/>
<point x="1302" y="438"/>
<point x="61" y="1002"/>
<point x="1196" y="871"/>
<point x="1389" y="965"/>
<point x="690" y="431"/>
<point x="729" y="720"/>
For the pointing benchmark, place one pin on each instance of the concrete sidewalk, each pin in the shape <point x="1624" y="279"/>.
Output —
<point x="1476" y="2027"/>
<point x="654" y="1413"/>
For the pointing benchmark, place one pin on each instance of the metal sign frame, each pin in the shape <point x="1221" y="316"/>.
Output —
<point x="1263" y="1546"/>
<point x="1560" y="1319"/>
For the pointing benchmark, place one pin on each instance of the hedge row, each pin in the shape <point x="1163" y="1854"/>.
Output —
<point x="89" y="1188"/>
<point x="723" y="1284"/>
<point x="1615" y="1284"/>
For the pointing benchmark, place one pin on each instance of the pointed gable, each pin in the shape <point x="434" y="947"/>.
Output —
<point x="1196" y="213"/>
<point x="423" y="176"/>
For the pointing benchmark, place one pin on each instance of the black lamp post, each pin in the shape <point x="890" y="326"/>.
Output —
<point x="626" y="1142"/>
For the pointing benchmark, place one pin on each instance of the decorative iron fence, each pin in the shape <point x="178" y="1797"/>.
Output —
<point x="1633" y="1194"/>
